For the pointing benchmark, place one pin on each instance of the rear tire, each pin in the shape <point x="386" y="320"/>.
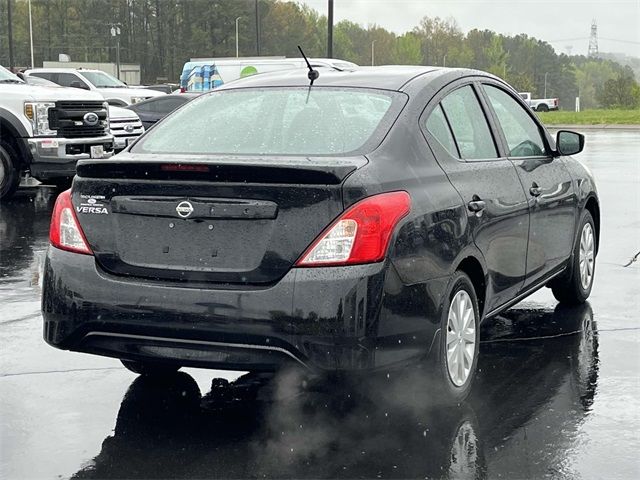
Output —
<point x="150" y="368"/>
<point x="543" y="108"/>
<point x="9" y="174"/>
<point x="459" y="341"/>
<point x="575" y="287"/>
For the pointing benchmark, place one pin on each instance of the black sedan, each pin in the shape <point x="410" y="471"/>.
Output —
<point x="362" y="221"/>
<point x="155" y="109"/>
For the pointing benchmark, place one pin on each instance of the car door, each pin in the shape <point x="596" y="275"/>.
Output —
<point x="546" y="181"/>
<point x="462" y="141"/>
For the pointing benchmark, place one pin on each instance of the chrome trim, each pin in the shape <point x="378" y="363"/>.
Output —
<point x="245" y="346"/>
<point x="58" y="152"/>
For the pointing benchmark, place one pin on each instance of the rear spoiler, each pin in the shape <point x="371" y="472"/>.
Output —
<point x="306" y="171"/>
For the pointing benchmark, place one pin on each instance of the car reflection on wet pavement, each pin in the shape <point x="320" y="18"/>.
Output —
<point x="381" y="426"/>
<point x="557" y="393"/>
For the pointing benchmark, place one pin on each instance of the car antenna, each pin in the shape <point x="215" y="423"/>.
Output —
<point x="313" y="74"/>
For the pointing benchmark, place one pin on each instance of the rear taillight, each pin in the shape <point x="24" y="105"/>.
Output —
<point x="183" y="90"/>
<point x="65" y="232"/>
<point x="361" y="234"/>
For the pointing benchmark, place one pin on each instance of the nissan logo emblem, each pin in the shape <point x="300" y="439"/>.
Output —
<point x="184" y="209"/>
<point x="90" y="119"/>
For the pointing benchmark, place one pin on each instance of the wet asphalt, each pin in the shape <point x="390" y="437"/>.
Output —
<point x="557" y="394"/>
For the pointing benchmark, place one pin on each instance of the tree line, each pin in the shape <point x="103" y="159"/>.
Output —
<point x="162" y="34"/>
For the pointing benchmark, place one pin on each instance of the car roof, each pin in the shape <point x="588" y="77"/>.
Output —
<point x="62" y="70"/>
<point x="388" y="77"/>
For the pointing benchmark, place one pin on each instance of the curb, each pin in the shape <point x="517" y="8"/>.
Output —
<point x="613" y="126"/>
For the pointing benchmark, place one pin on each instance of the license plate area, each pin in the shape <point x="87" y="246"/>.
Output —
<point x="201" y="245"/>
<point x="97" y="151"/>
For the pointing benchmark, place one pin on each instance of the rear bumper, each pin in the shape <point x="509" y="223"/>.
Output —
<point x="57" y="157"/>
<point x="322" y="318"/>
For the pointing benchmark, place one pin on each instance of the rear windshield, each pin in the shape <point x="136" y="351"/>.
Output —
<point x="277" y="121"/>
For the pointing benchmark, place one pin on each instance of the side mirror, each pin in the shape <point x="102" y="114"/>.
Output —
<point x="78" y="84"/>
<point x="569" y="143"/>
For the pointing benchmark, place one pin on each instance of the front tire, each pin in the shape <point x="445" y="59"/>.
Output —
<point x="9" y="174"/>
<point x="459" y="341"/>
<point x="575" y="287"/>
<point x="150" y="368"/>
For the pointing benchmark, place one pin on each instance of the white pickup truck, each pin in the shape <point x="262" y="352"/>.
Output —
<point x="540" y="105"/>
<point x="113" y="90"/>
<point x="44" y="131"/>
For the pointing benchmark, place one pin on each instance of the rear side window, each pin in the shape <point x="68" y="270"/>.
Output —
<point x="70" y="80"/>
<point x="469" y="125"/>
<point x="45" y="75"/>
<point x="274" y="121"/>
<point x="161" y="105"/>
<point x="437" y="126"/>
<point x="520" y="130"/>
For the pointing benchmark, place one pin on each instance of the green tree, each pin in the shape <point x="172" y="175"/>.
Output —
<point x="408" y="51"/>
<point x="620" y="92"/>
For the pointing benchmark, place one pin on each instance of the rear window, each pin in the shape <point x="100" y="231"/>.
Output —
<point x="277" y="121"/>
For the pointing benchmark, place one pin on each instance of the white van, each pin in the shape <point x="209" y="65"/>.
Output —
<point x="203" y="74"/>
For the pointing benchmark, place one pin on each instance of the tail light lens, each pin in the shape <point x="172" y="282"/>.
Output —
<point x="183" y="90"/>
<point x="361" y="234"/>
<point x="65" y="232"/>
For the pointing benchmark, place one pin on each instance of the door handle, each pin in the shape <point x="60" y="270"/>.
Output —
<point x="476" y="205"/>
<point x="535" y="190"/>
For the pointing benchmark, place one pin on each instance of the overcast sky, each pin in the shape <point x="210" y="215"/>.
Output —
<point x="559" y="22"/>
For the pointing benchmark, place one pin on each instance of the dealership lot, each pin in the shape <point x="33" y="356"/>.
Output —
<point x="557" y="393"/>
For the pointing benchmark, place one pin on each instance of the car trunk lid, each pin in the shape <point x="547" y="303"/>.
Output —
<point x="220" y="219"/>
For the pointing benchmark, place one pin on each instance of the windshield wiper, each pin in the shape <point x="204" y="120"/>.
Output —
<point x="10" y="80"/>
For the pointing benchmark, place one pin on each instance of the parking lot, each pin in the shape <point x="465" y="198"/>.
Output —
<point x="557" y="395"/>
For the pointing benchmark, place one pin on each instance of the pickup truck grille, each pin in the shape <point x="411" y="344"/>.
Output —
<point x="126" y="128"/>
<point x="67" y="117"/>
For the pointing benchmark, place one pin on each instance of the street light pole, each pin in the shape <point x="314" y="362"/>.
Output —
<point x="373" y="53"/>
<point x="10" y="33"/>
<point x="257" y="29"/>
<point x="115" y="32"/>
<point x="31" y="35"/>
<point x="237" y="47"/>
<point x="330" y="29"/>
<point x="545" y="84"/>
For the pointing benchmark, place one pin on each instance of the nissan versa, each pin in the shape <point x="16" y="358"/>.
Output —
<point x="359" y="220"/>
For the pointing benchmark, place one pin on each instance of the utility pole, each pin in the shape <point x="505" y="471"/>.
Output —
<point x="373" y="53"/>
<point x="10" y="33"/>
<point x="237" y="47"/>
<point x="330" y="30"/>
<point x="31" y="35"/>
<point x="257" y="29"/>
<point x="444" y="60"/>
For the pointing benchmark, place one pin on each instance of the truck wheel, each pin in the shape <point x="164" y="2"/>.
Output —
<point x="9" y="174"/>
<point x="543" y="107"/>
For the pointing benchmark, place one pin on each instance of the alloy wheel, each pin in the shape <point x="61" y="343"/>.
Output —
<point x="461" y="338"/>
<point x="587" y="250"/>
